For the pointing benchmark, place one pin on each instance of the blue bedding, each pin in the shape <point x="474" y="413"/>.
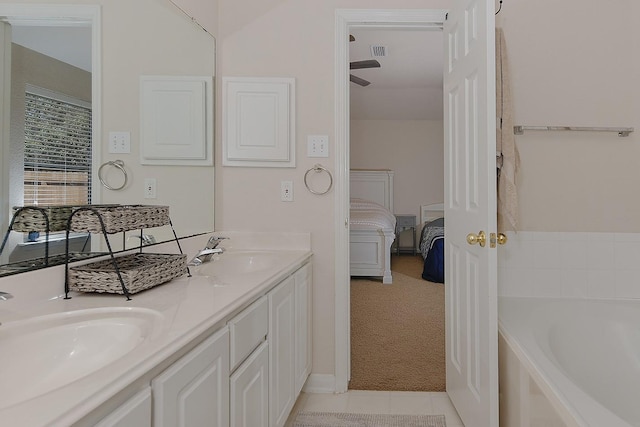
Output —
<point x="434" y="262"/>
<point x="432" y="249"/>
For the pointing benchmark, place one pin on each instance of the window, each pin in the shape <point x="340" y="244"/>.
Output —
<point x="57" y="150"/>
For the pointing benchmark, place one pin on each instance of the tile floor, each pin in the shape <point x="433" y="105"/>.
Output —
<point x="379" y="402"/>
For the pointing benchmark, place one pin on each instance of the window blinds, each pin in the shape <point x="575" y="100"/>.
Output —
<point x="57" y="153"/>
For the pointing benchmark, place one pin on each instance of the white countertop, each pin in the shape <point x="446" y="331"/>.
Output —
<point x="190" y="307"/>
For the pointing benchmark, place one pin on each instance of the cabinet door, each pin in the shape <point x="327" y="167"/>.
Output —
<point x="250" y="390"/>
<point x="135" y="412"/>
<point x="194" y="391"/>
<point x="281" y="352"/>
<point x="248" y="329"/>
<point x="302" y="327"/>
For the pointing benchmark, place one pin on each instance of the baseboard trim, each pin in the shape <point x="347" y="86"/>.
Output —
<point x="320" y="383"/>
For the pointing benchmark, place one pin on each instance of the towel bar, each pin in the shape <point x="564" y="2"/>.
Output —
<point x="519" y="130"/>
<point x="318" y="168"/>
<point x="118" y="164"/>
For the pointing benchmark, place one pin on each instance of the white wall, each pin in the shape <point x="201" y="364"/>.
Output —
<point x="288" y="38"/>
<point x="576" y="63"/>
<point x="413" y="149"/>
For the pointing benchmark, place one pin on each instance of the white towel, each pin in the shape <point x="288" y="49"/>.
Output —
<point x="507" y="158"/>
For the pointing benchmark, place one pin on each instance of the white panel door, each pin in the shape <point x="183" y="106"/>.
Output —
<point x="194" y="391"/>
<point x="302" y="327"/>
<point x="258" y="125"/>
<point x="281" y="352"/>
<point x="249" y="387"/>
<point x="470" y="207"/>
<point x="176" y="124"/>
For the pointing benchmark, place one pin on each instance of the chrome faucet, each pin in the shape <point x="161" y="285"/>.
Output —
<point x="146" y="239"/>
<point x="214" y="241"/>
<point x="211" y="248"/>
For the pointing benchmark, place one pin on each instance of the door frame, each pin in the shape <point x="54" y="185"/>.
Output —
<point x="345" y="20"/>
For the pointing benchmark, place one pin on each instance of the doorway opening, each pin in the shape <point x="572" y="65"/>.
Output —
<point x="346" y="22"/>
<point x="396" y="124"/>
<point x="470" y="198"/>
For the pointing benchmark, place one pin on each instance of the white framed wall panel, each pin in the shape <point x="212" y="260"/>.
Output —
<point x="258" y="122"/>
<point x="176" y="114"/>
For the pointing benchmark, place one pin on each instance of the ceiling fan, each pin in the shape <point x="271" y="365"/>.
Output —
<point x="358" y="65"/>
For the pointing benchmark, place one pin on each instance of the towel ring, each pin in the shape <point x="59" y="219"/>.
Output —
<point x="318" y="168"/>
<point x="119" y="164"/>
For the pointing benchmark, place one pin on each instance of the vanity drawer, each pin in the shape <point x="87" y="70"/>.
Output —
<point x="248" y="329"/>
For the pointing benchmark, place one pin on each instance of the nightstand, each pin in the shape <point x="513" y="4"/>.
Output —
<point x="404" y="223"/>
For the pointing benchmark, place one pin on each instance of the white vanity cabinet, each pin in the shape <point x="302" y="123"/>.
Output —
<point x="194" y="391"/>
<point x="250" y="390"/>
<point x="281" y="352"/>
<point x="302" y="326"/>
<point x="249" y="381"/>
<point x="267" y="360"/>
<point x="289" y="343"/>
<point x="248" y="373"/>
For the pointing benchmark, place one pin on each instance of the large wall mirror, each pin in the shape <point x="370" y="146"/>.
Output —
<point x="86" y="62"/>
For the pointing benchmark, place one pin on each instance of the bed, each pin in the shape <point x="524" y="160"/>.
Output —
<point x="432" y="242"/>
<point x="371" y="224"/>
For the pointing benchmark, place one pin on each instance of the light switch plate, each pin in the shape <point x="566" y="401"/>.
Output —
<point x="119" y="142"/>
<point x="318" y="146"/>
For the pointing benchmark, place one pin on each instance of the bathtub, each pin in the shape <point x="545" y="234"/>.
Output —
<point x="584" y="355"/>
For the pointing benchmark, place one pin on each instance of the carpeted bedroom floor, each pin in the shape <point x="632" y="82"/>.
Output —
<point x="397" y="331"/>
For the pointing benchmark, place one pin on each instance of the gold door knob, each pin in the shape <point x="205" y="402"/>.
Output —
<point x="502" y="238"/>
<point x="479" y="238"/>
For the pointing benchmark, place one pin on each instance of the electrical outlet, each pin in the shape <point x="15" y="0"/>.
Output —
<point x="286" y="191"/>
<point x="119" y="142"/>
<point x="317" y="146"/>
<point x="149" y="188"/>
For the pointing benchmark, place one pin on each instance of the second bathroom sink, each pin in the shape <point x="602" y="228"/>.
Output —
<point x="240" y="263"/>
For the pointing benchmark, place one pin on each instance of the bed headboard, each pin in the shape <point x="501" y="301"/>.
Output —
<point x="430" y="212"/>
<point x="374" y="185"/>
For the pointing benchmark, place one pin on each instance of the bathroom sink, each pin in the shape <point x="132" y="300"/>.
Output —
<point x="44" y="353"/>
<point x="248" y="262"/>
<point x="238" y="264"/>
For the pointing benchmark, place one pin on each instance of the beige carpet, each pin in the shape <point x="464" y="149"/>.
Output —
<point x="333" y="419"/>
<point x="397" y="331"/>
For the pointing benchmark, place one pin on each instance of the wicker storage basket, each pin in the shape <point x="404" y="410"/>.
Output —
<point x="33" y="219"/>
<point x="120" y="218"/>
<point x="138" y="271"/>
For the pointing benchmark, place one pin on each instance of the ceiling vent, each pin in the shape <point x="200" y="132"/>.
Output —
<point x="378" y="51"/>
